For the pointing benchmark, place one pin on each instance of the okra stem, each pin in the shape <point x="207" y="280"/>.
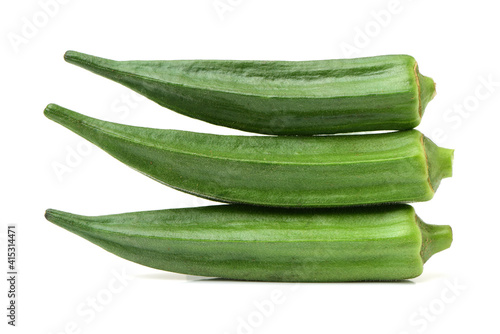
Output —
<point x="435" y="238"/>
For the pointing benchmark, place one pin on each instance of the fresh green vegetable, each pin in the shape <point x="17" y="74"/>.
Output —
<point x="315" y="171"/>
<point x="266" y="244"/>
<point x="280" y="97"/>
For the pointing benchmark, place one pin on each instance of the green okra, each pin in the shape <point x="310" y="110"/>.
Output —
<point x="314" y="171"/>
<point x="269" y="244"/>
<point x="280" y="97"/>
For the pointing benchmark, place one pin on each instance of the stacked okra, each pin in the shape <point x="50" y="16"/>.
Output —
<point x="310" y="204"/>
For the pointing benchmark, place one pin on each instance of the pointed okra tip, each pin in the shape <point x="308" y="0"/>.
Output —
<point x="66" y="117"/>
<point x="56" y="217"/>
<point x="65" y="220"/>
<point x="88" y="62"/>
<point x="74" y="223"/>
<point x="68" y="55"/>
<point x="51" y="109"/>
<point x="56" y="113"/>
<point x="75" y="57"/>
<point x="49" y="214"/>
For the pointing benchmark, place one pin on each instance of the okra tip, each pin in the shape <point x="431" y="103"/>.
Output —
<point x="71" y="222"/>
<point x="49" y="213"/>
<point x="75" y="57"/>
<point x="55" y="216"/>
<point x="86" y="61"/>
<point x="68" y="55"/>
<point x="50" y="108"/>
<point x="64" y="116"/>
<point x="54" y="112"/>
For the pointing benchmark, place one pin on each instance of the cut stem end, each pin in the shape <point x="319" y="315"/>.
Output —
<point x="435" y="238"/>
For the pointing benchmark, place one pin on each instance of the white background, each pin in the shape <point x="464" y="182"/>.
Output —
<point x="455" y="42"/>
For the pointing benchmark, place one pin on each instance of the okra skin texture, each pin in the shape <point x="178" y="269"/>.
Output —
<point x="280" y="97"/>
<point x="313" y="171"/>
<point x="269" y="244"/>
